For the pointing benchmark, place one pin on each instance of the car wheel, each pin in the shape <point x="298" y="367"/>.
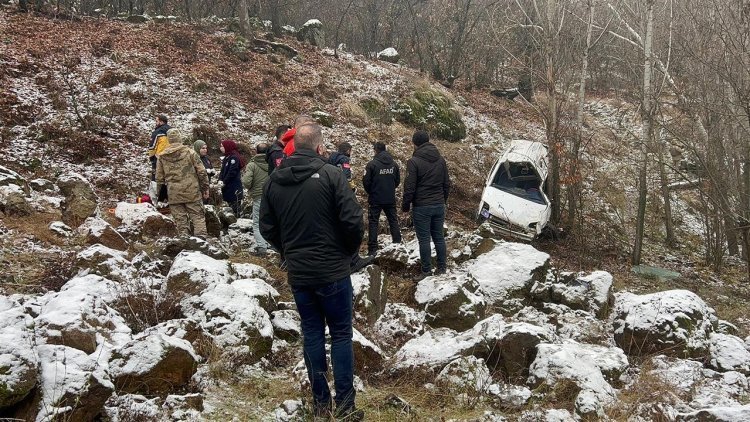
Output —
<point x="550" y="232"/>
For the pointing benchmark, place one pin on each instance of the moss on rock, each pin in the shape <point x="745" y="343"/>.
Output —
<point x="432" y="111"/>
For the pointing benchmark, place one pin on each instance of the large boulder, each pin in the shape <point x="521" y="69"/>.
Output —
<point x="106" y="262"/>
<point x="588" y="367"/>
<point x="238" y="325"/>
<point x="450" y="301"/>
<point x="259" y="290"/>
<point x="312" y="33"/>
<point x="80" y="200"/>
<point x="18" y="364"/>
<point x="716" y="414"/>
<point x="398" y="324"/>
<point x="389" y="55"/>
<point x="467" y="375"/>
<point x="153" y="364"/>
<point x="728" y="353"/>
<point x="592" y="292"/>
<point x="184" y="329"/>
<point x="506" y="273"/>
<point x="368" y="358"/>
<point x="370" y="293"/>
<point x="145" y="220"/>
<point x="79" y="317"/>
<point x="9" y="177"/>
<point x="434" y="349"/>
<point x="676" y="322"/>
<point x="172" y="246"/>
<point x="13" y="201"/>
<point x="73" y="385"/>
<point x="192" y="272"/>
<point x="95" y="230"/>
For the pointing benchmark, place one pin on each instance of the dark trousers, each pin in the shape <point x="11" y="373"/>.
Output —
<point x="373" y="217"/>
<point x="318" y="306"/>
<point x="428" y="223"/>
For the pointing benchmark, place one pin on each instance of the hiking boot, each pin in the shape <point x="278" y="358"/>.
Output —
<point x="440" y="271"/>
<point x="360" y="263"/>
<point x="350" y="415"/>
<point x="422" y="276"/>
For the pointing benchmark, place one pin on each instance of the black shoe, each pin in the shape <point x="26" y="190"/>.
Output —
<point x="350" y="415"/>
<point x="360" y="263"/>
<point x="422" y="276"/>
<point x="440" y="271"/>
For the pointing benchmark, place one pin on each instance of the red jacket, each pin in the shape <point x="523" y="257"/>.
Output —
<point x="288" y="140"/>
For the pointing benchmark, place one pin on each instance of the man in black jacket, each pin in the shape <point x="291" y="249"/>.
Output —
<point x="309" y="214"/>
<point x="382" y="177"/>
<point x="426" y="188"/>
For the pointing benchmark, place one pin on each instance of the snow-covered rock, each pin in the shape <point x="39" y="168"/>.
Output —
<point x="510" y="347"/>
<point x="592" y="292"/>
<point x="41" y="185"/>
<point x="506" y="273"/>
<point x="509" y="396"/>
<point x="13" y="201"/>
<point x="106" y="262"/>
<point x="549" y="415"/>
<point x="434" y="349"/>
<point x="312" y="32"/>
<point x="80" y="200"/>
<point x="183" y="329"/>
<point x="10" y="177"/>
<point x="95" y="230"/>
<point x="18" y="363"/>
<point x="589" y="367"/>
<point x="260" y="290"/>
<point x="172" y="246"/>
<point x="61" y="229"/>
<point x="728" y="353"/>
<point x="80" y="318"/>
<point x="145" y="219"/>
<point x="717" y="414"/>
<point x="675" y="322"/>
<point x="389" y="55"/>
<point x="192" y="272"/>
<point x="286" y="324"/>
<point x="289" y="411"/>
<point x="398" y="324"/>
<point x="368" y="358"/>
<point x="73" y="386"/>
<point x="246" y="270"/>
<point x="153" y="363"/>
<point x="465" y="375"/>
<point x="568" y="324"/>
<point x="240" y="328"/>
<point x="370" y="288"/>
<point x="450" y="301"/>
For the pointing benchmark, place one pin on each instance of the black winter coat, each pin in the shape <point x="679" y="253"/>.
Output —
<point x="231" y="173"/>
<point x="342" y="161"/>
<point x="274" y="156"/>
<point x="427" y="181"/>
<point x="382" y="177"/>
<point x="309" y="214"/>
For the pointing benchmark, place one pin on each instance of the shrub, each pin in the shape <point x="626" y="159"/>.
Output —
<point x="111" y="78"/>
<point x="431" y="110"/>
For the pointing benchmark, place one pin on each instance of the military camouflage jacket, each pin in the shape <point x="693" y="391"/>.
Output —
<point x="180" y="168"/>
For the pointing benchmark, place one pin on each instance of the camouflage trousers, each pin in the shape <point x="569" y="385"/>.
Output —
<point x="191" y="212"/>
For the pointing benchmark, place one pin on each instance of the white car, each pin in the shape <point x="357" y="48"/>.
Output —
<point x="514" y="199"/>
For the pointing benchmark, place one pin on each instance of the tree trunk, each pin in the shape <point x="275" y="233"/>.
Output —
<point x="244" y="17"/>
<point x="647" y="134"/>
<point x="552" y="116"/>
<point x="668" y="223"/>
<point x="574" y="189"/>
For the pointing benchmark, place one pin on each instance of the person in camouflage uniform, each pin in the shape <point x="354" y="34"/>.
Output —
<point x="181" y="170"/>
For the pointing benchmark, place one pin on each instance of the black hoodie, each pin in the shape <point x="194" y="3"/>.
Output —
<point x="309" y="214"/>
<point x="382" y="177"/>
<point x="427" y="181"/>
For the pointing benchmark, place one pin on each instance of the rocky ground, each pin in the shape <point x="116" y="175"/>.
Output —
<point x="105" y="315"/>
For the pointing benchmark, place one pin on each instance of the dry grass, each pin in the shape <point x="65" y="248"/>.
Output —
<point x="645" y="398"/>
<point x="355" y="114"/>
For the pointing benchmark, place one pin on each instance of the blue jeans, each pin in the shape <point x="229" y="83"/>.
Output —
<point x="428" y="222"/>
<point x="318" y="306"/>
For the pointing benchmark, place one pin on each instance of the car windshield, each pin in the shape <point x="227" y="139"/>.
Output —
<point x="519" y="179"/>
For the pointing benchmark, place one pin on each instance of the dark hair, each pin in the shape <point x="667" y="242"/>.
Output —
<point x="261" y="148"/>
<point x="379" y="146"/>
<point x="163" y="118"/>
<point x="420" y="137"/>
<point x="344" y="147"/>
<point x="280" y="130"/>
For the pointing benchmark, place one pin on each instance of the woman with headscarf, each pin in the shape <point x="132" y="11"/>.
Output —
<point x="231" y="175"/>
<point x="201" y="149"/>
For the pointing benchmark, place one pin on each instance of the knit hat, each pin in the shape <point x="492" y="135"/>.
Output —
<point x="197" y="145"/>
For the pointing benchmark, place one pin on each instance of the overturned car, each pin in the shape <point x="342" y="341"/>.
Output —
<point x="514" y="200"/>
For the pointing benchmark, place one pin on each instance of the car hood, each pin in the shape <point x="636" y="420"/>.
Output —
<point x="514" y="209"/>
